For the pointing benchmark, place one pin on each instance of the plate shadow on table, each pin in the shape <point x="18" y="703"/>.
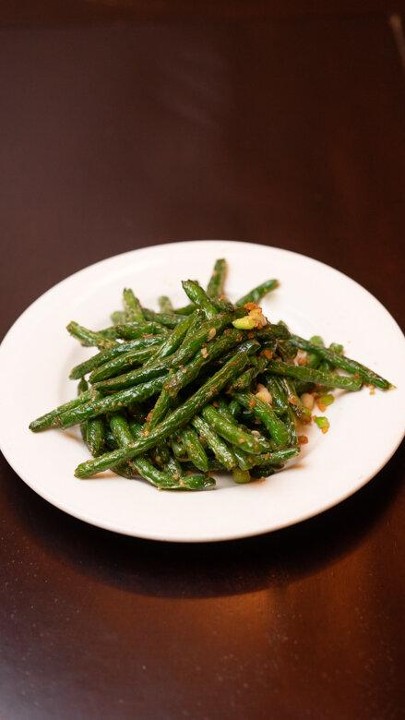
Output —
<point x="181" y="570"/>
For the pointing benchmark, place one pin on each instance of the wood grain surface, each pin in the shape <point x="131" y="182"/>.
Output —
<point x="122" y="127"/>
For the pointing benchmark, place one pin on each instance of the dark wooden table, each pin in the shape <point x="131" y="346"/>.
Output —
<point x="127" y="124"/>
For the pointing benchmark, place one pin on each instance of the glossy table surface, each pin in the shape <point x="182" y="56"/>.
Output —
<point x="124" y="125"/>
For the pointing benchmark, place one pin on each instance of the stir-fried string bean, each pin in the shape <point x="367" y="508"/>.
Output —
<point x="132" y="306"/>
<point x="177" y="419"/>
<point x="215" y="287"/>
<point x="174" y="394"/>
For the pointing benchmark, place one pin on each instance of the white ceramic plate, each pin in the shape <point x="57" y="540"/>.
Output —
<point x="313" y="298"/>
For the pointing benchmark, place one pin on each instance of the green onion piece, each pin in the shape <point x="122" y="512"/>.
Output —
<point x="325" y="400"/>
<point x="323" y="423"/>
<point x="245" y="323"/>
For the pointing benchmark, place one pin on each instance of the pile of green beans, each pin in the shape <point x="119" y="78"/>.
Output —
<point x="175" y="395"/>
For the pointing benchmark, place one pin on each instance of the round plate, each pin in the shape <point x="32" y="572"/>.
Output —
<point x="366" y="428"/>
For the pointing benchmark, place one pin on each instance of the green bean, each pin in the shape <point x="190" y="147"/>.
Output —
<point x="194" y="448"/>
<point x="205" y="333"/>
<point x="92" y="431"/>
<point x="173" y="468"/>
<point x="82" y="387"/>
<point x="265" y="413"/>
<point x="303" y="387"/>
<point x="126" y="470"/>
<point x="135" y="428"/>
<point x="214" y="466"/>
<point x="199" y="297"/>
<point x="342" y="362"/>
<point x="223" y="408"/>
<point x="89" y="338"/>
<point x="221" y="305"/>
<point x="170" y="478"/>
<point x="278" y="395"/>
<point x="285" y="350"/>
<point x="224" y="455"/>
<point x="187" y="373"/>
<point x="195" y="482"/>
<point x="47" y="421"/>
<point x="160" y="409"/>
<point x="132" y="330"/>
<point x="178" y="418"/>
<point x="178" y="449"/>
<point x="95" y="435"/>
<point x="300" y="411"/>
<point x="141" y="466"/>
<point x="165" y="305"/>
<point x="134" y="377"/>
<point x="185" y="310"/>
<point x="169" y="320"/>
<point x="234" y="408"/>
<point x="173" y="341"/>
<point x="313" y="361"/>
<point x="245" y="381"/>
<point x="215" y="287"/>
<point x="257" y="293"/>
<point x="148" y="397"/>
<point x="276" y="457"/>
<point x="290" y="423"/>
<point x="261" y="473"/>
<point x="245" y="460"/>
<point x="233" y="433"/>
<point x="301" y="372"/>
<point x="323" y="364"/>
<point x="160" y="454"/>
<point x="110" y="403"/>
<point x="121" y="363"/>
<point x="132" y="306"/>
<point x="313" y="358"/>
<point x="118" y="317"/>
<point x="277" y="331"/>
<point x="105" y="355"/>
<point x="109" y="333"/>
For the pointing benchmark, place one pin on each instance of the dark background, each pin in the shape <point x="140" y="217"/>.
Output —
<point x="126" y="124"/>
